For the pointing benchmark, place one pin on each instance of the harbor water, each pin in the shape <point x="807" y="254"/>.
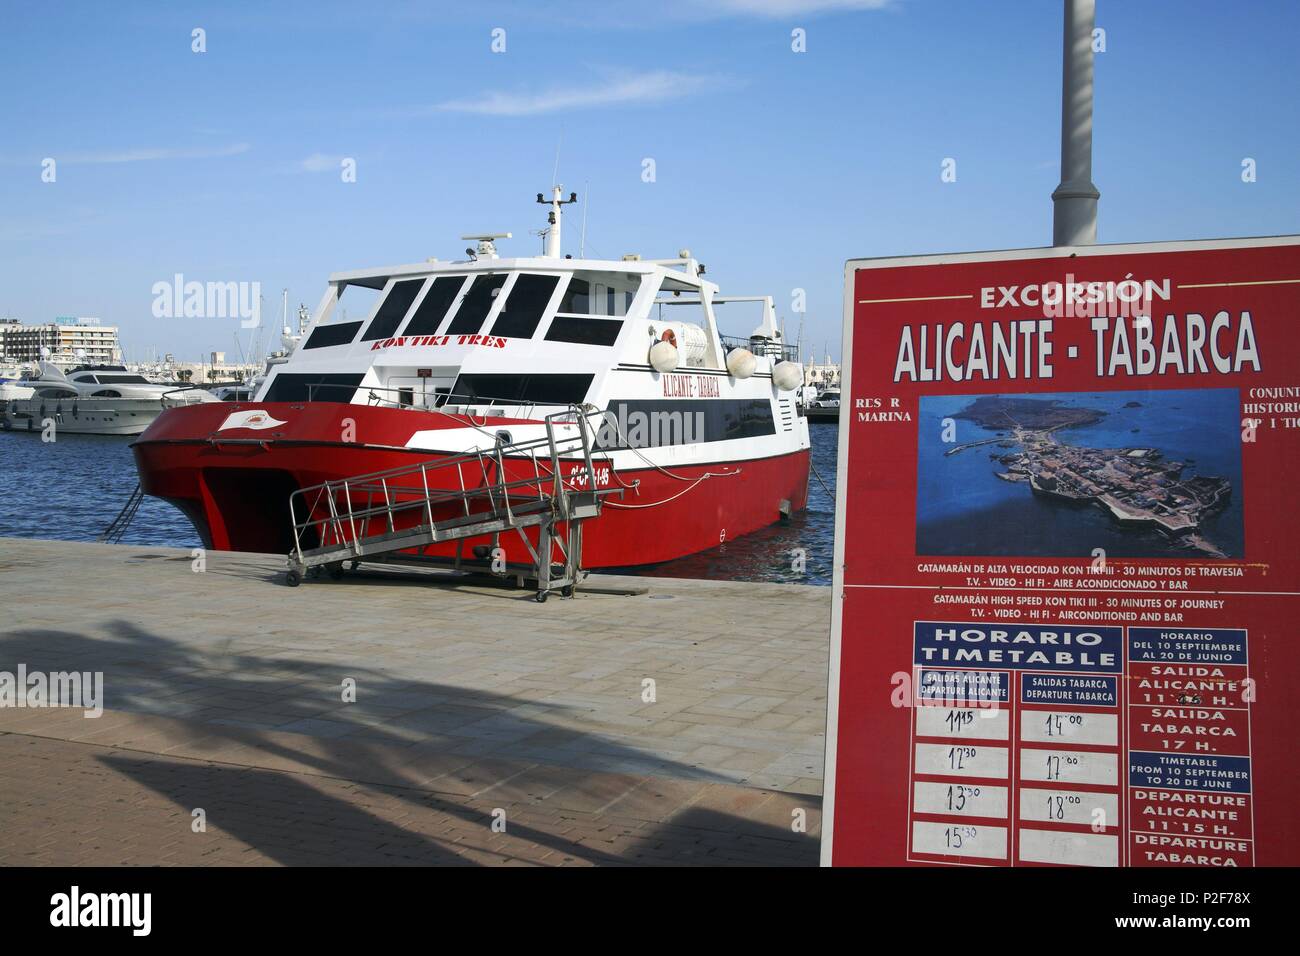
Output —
<point x="70" y="489"/>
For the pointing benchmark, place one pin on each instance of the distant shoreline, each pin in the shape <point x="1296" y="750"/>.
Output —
<point x="1000" y="412"/>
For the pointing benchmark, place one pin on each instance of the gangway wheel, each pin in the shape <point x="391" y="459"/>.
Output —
<point x="292" y="578"/>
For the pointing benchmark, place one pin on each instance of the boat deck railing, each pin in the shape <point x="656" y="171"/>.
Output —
<point x="761" y="346"/>
<point x="458" y="497"/>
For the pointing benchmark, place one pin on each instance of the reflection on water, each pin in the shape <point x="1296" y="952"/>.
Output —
<point x="72" y="488"/>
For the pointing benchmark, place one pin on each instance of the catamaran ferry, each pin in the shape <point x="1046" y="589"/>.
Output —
<point x="695" y="436"/>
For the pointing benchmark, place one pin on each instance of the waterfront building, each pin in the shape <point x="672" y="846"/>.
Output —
<point x="85" y="338"/>
<point x="823" y="376"/>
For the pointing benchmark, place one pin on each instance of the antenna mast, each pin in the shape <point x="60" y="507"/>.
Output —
<point x="552" y="250"/>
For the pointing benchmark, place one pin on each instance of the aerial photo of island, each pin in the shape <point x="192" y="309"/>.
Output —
<point x="1137" y="474"/>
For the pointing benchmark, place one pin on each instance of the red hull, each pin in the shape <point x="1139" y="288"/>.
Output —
<point x="234" y="485"/>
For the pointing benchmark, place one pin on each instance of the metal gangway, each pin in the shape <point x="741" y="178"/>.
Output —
<point x="454" y="498"/>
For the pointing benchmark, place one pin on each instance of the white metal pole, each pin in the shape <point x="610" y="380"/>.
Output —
<point x="586" y="204"/>
<point x="553" y="233"/>
<point x="1074" y="202"/>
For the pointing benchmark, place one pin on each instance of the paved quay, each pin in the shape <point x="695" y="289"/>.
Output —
<point x="485" y="728"/>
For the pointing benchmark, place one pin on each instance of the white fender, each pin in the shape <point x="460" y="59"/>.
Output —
<point x="787" y="376"/>
<point x="741" y="362"/>
<point x="663" y="356"/>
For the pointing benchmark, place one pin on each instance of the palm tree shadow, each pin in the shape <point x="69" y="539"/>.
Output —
<point x="283" y="818"/>
<point x="422" y="743"/>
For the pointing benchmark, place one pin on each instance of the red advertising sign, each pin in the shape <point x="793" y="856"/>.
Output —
<point x="1067" y="564"/>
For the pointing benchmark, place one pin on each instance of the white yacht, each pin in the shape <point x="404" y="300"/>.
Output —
<point x="94" y="400"/>
<point x="14" y="381"/>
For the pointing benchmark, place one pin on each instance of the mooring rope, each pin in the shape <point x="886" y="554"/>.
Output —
<point x="813" y="469"/>
<point x="117" y="527"/>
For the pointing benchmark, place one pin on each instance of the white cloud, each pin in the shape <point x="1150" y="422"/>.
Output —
<point x="651" y="87"/>
<point x="320" y="163"/>
<point x="152" y="155"/>
<point x="800" y="8"/>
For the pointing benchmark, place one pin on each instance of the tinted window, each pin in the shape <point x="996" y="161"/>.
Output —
<point x="121" y="379"/>
<point x="640" y="423"/>
<point x="316" y="387"/>
<point x="522" y="389"/>
<point x="393" y="309"/>
<point x="338" y="333"/>
<point x="568" y="328"/>
<point x="577" y="297"/>
<point x="428" y="315"/>
<point x="106" y="393"/>
<point x="476" y="305"/>
<point x="524" y="306"/>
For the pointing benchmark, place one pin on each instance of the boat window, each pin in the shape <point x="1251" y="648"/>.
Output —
<point x="106" y="393"/>
<point x="434" y="306"/>
<point x="312" y="386"/>
<point x="650" y="423"/>
<point x="355" y="301"/>
<point x="583" y="330"/>
<point x="121" y="380"/>
<point x="332" y="333"/>
<point x="599" y="294"/>
<point x="521" y="389"/>
<point x="577" y="297"/>
<point x="476" y="305"/>
<point x="55" y="393"/>
<point x="524" y="306"/>
<point x="393" y="309"/>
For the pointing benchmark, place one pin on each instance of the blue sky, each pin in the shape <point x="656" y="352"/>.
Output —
<point x="774" y="167"/>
